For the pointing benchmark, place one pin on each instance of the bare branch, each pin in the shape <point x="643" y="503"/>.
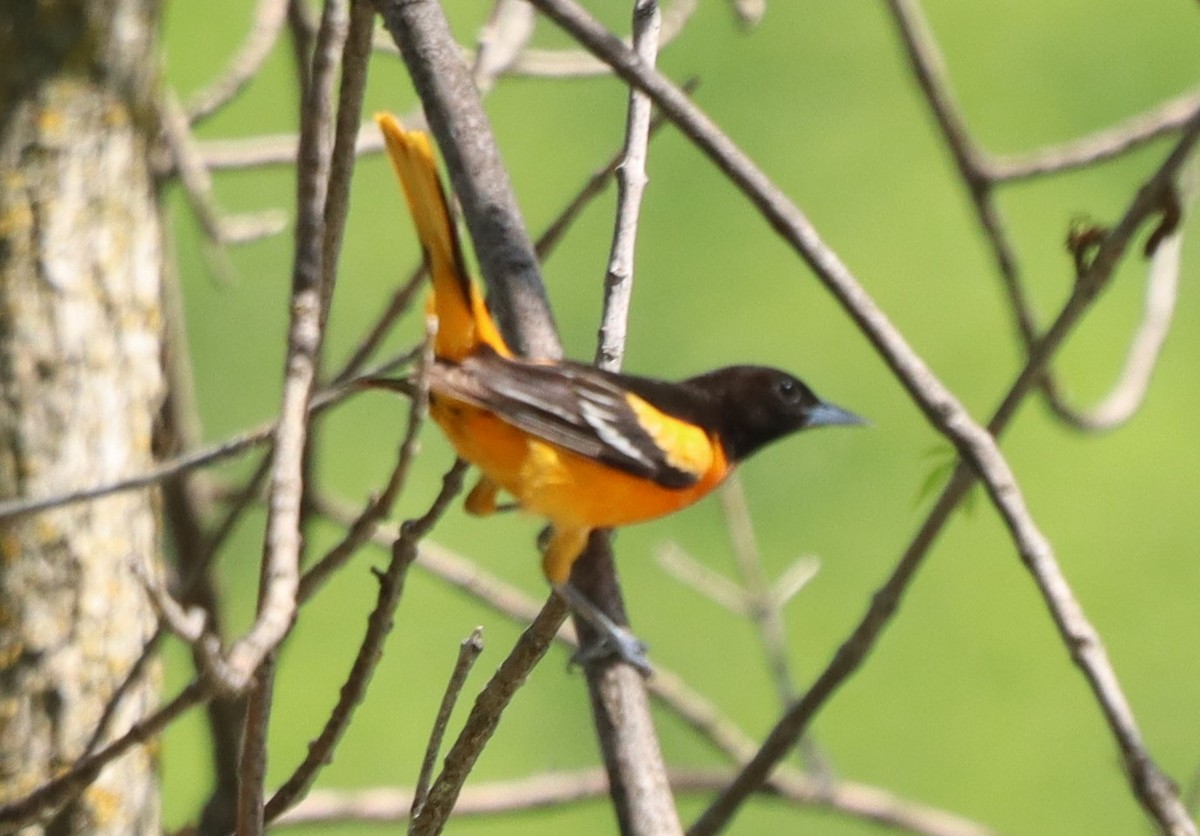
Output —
<point x="794" y="578"/>
<point x="468" y="653"/>
<point x="567" y="63"/>
<point x="573" y="63"/>
<point x="1152" y="788"/>
<point x="1127" y="395"/>
<point x="671" y="691"/>
<point x="485" y="716"/>
<point x="766" y="617"/>
<point x="711" y="584"/>
<point x="1129" y="392"/>
<point x="219" y="228"/>
<point x="187" y="623"/>
<point x="269" y="17"/>
<point x="940" y="407"/>
<point x="53" y="794"/>
<point x="555" y="789"/>
<point x="280" y="149"/>
<point x="236" y="505"/>
<point x="982" y="174"/>
<point x="365" y="523"/>
<point x="127" y="686"/>
<point x="280" y="577"/>
<point x="212" y="454"/>
<point x="379" y="624"/>
<point x="188" y="461"/>
<point x="971" y="161"/>
<point x="631" y="184"/>
<point x="501" y="42"/>
<point x="457" y="120"/>
<point x="1101" y="146"/>
<point x="621" y="712"/>
<point x="399" y="302"/>
<point x="458" y="571"/>
<point x="763" y="605"/>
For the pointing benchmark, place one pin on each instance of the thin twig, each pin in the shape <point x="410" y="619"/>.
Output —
<point x="399" y="302"/>
<point x="219" y="228"/>
<point x="453" y="569"/>
<point x="766" y="617"/>
<point x="570" y="63"/>
<point x="692" y="707"/>
<point x="368" y="140"/>
<point x="379" y="625"/>
<point x="186" y="623"/>
<point x="980" y="173"/>
<point x="56" y="792"/>
<point x="468" y="653"/>
<point x="501" y="42"/>
<point x="670" y="690"/>
<point x="273" y="150"/>
<point x="1129" y="392"/>
<point x="269" y="17"/>
<point x="203" y="457"/>
<point x="757" y="600"/>
<point x="631" y="185"/>
<point x="1101" y="146"/>
<point x="971" y="161"/>
<point x="574" y="63"/>
<point x="556" y="789"/>
<point x="640" y="792"/>
<point x="940" y="407"/>
<point x="232" y="446"/>
<point x="1162" y="282"/>
<point x="1151" y="787"/>
<point x="378" y="508"/>
<point x="236" y="505"/>
<point x="485" y="716"/>
<point x="280" y="575"/>
<point x="200" y="458"/>
<point x="711" y="584"/>
<point x="132" y="679"/>
<point x="186" y="509"/>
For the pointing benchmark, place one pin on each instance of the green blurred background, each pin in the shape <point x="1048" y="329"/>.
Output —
<point x="970" y="701"/>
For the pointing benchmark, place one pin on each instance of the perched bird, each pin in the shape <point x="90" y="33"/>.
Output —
<point x="582" y="447"/>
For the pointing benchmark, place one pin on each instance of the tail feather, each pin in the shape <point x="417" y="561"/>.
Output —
<point x="463" y="319"/>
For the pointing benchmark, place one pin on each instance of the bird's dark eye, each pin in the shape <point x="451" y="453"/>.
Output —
<point x="788" y="389"/>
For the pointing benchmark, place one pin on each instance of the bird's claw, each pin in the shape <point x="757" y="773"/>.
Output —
<point x="619" y="644"/>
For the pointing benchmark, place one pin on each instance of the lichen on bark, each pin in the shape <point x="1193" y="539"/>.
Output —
<point x="80" y="385"/>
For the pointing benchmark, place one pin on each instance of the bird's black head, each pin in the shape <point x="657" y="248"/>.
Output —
<point x="758" y="405"/>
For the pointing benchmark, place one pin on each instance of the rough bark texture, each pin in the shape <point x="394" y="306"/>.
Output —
<point x="80" y="384"/>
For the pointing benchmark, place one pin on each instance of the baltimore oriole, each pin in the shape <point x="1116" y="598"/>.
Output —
<point x="581" y="447"/>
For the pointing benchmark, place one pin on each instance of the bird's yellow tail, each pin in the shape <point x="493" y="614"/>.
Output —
<point x="463" y="319"/>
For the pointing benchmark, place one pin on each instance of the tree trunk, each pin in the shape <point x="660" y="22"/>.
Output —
<point x="80" y="385"/>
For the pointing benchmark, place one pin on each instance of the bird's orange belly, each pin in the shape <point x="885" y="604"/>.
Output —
<point x="567" y="489"/>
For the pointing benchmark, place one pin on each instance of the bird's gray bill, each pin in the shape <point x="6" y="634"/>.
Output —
<point x="829" y="415"/>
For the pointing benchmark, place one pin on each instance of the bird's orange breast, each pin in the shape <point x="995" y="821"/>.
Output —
<point x="570" y="490"/>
